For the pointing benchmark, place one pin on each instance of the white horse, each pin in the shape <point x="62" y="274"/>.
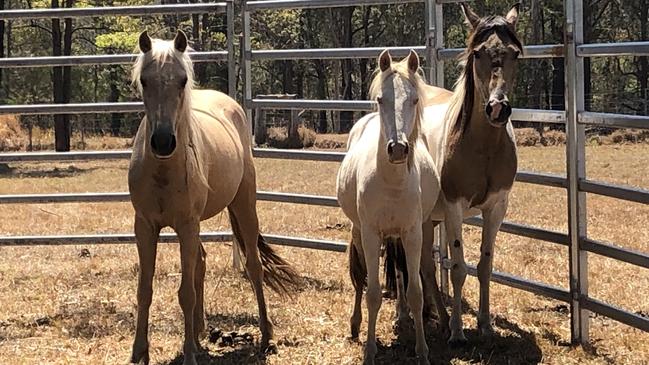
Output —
<point x="388" y="185"/>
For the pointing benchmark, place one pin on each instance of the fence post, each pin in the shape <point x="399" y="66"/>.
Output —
<point x="576" y="169"/>
<point x="232" y="76"/>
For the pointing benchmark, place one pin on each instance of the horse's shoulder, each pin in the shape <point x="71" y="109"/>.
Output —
<point x="359" y="128"/>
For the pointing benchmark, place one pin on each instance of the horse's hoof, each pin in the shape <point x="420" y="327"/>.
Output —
<point x="457" y="341"/>
<point x="423" y="360"/>
<point x="141" y="356"/>
<point x="485" y="329"/>
<point x="270" y="348"/>
<point x="189" y="359"/>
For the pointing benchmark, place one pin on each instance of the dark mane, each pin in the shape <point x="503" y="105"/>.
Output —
<point x="485" y="28"/>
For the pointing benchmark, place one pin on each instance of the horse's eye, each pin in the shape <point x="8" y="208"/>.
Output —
<point x="379" y="100"/>
<point x="142" y="82"/>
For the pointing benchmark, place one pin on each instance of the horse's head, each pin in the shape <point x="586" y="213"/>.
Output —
<point x="164" y="76"/>
<point x="396" y="91"/>
<point x="493" y="50"/>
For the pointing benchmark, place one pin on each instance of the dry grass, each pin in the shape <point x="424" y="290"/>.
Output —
<point x="60" y="308"/>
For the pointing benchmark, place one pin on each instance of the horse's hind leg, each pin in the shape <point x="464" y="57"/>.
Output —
<point x="432" y="293"/>
<point x="199" y="287"/>
<point x="358" y="274"/>
<point x="243" y="211"/>
<point x="412" y="242"/>
<point x="146" y="234"/>
<point x="190" y="244"/>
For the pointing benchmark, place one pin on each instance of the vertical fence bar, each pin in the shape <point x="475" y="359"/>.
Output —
<point x="435" y="42"/>
<point x="232" y="63"/>
<point x="246" y="53"/>
<point x="429" y="39"/>
<point x="576" y="168"/>
<point x="439" y="43"/>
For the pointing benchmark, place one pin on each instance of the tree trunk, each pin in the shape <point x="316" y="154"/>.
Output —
<point x="643" y="62"/>
<point x="321" y="93"/>
<point x="115" y="118"/>
<point x="61" y="122"/>
<point x="347" y="117"/>
<point x="363" y="63"/>
<point x="2" y="47"/>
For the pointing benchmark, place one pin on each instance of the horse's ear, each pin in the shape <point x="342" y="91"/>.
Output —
<point x="144" y="42"/>
<point x="180" y="41"/>
<point x="471" y="18"/>
<point x="512" y="15"/>
<point x="413" y="61"/>
<point x="385" y="60"/>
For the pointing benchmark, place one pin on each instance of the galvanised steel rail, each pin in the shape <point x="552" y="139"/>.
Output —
<point x="109" y="59"/>
<point x="93" y="239"/>
<point x="614" y="120"/>
<point x="141" y="10"/>
<point x="613" y="49"/>
<point x="540" y="51"/>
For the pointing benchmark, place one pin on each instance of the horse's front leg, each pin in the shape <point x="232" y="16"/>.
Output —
<point x="199" y="287"/>
<point x="190" y="250"/>
<point x="453" y="222"/>
<point x="493" y="218"/>
<point x="146" y="234"/>
<point x="412" y="242"/>
<point x="371" y="248"/>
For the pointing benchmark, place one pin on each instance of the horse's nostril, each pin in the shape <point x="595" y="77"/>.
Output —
<point x="391" y="147"/>
<point x="406" y="149"/>
<point x="163" y="144"/>
<point x="488" y="109"/>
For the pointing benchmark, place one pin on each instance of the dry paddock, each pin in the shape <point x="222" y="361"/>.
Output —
<point x="60" y="307"/>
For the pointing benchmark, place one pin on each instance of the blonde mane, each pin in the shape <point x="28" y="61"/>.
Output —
<point x="416" y="79"/>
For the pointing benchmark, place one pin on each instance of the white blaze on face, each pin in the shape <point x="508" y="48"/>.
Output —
<point x="397" y="108"/>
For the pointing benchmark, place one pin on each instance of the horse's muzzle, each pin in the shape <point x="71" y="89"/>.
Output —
<point x="498" y="111"/>
<point x="163" y="143"/>
<point x="397" y="152"/>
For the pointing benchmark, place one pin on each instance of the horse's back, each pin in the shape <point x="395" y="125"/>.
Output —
<point x="434" y="95"/>
<point x="223" y="108"/>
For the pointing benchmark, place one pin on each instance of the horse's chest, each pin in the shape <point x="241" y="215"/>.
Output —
<point x="391" y="210"/>
<point x="475" y="175"/>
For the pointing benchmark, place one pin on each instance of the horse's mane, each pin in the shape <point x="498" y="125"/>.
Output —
<point x="461" y="103"/>
<point x="416" y="79"/>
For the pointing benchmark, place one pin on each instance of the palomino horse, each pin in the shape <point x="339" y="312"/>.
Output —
<point x="192" y="158"/>
<point x="474" y="149"/>
<point x="388" y="185"/>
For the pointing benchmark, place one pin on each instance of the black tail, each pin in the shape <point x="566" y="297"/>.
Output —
<point x="357" y="269"/>
<point x="394" y="259"/>
<point x="278" y="274"/>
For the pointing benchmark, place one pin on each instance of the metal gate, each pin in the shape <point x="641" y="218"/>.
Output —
<point x="575" y="117"/>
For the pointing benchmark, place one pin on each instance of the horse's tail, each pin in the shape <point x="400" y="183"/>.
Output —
<point x="278" y="273"/>
<point x="357" y="269"/>
<point x="394" y="259"/>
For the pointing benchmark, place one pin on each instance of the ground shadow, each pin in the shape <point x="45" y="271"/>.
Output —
<point x="510" y="344"/>
<point x="230" y="321"/>
<point x="16" y="172"/>
<point x="247" y="354"/>
<point x="308" y="283"/>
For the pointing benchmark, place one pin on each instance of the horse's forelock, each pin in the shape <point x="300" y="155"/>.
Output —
<point x="160" y="53"/>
